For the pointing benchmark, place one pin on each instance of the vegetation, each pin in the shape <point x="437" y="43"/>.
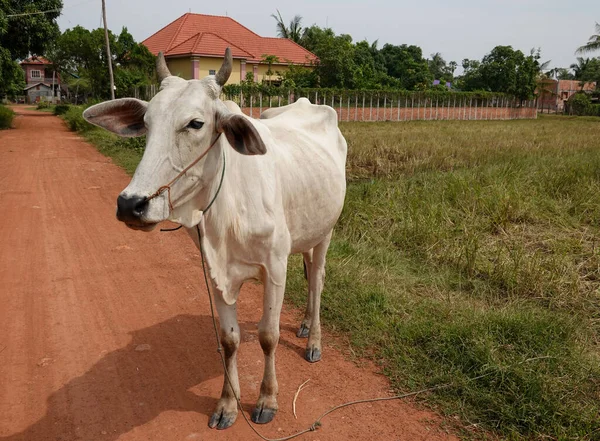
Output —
<point x="6" y="117"/>
<point x="593" y="43"/>
<point x="503" y="70"/>
<point x="580" y="104"/>
<point x="61" y="109"/>
<point x="467" y="256"/>
<point x="15" y="43"/>
<point x="80" y="54"/>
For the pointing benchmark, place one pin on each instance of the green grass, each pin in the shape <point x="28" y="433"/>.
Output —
<point x="467" y="255"/>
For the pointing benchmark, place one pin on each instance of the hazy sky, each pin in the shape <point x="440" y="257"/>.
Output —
<point x="457" y="28"/>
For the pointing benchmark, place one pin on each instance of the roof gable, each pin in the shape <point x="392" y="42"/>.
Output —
<point x="36" y="60"/>
<point x="209" y="35"/>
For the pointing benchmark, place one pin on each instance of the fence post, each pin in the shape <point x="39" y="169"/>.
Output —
<point x="362" y="116"/>
<point x="340" y="107"/>
<point x="412" y="107"/>
<point x="371" y="108"/>
<point x="398" y="119"/>
<point x="348" y="115"/>
<point x="251" y="96"/>
<point x="355" y="107"/>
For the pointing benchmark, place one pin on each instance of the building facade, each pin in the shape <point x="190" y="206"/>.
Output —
<point x="194" y="45"/>
<point x="42" y="82"/>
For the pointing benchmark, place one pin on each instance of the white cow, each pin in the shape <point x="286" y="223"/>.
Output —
<point x="282" y="192"/>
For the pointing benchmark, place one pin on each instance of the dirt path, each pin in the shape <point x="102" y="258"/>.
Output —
<point x="105" y="332"/>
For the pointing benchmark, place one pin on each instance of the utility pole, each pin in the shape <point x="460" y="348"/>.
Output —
<point x="109" y="56"/>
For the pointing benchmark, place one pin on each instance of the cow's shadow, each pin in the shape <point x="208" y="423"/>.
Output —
<point x="131" y="386"/>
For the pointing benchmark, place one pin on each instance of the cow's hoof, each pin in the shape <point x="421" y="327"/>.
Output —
<point x="263" y="415"/>
<point x="303" y="331"/>
<point x="312" y="354"/>
<point x="222" y="420"/>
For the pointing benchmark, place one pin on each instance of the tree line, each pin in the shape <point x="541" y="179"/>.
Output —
<point x="79" y="55"/>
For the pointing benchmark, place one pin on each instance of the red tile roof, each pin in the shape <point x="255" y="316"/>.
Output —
<point x="209" y="35"/>
<point x="35" y="60"/>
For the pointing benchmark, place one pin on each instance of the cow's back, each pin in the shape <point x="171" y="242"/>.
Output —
<point x="309" y="153"/>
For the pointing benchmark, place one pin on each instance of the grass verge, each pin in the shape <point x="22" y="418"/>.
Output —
<point x="467" y="255"/>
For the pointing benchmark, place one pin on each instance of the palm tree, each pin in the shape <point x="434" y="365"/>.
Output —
<point x="593" y="43"/>
<point x="293" y="31"/>
<point x="580" y="67"/>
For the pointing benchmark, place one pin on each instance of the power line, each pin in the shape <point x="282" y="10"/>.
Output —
<point x="24" y="14"/>
<point x="32" y="13"/>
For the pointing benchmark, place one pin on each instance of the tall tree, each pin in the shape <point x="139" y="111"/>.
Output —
<point x="593" y="43"/>
<point x="503" y="70"/>
<point x="22" y="33"/>
<point x="580" y="67"/>
<point x="293" y="31"/>
<point x="406" y="63"/>
<point x="23" y="30"/>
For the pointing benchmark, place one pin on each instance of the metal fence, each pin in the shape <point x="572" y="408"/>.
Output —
<point x="385" y="107"/>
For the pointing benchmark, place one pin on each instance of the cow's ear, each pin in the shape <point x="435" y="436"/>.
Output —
<point x="124" y="116"/>
<point x="241" y="134"/>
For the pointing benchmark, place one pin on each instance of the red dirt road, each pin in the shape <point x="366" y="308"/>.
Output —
<point x="105" y="332"/>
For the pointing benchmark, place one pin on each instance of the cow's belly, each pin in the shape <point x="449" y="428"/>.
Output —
<point x="312" y="216"/>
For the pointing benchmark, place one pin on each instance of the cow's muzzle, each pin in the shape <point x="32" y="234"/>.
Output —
<point x="130" y="209"/>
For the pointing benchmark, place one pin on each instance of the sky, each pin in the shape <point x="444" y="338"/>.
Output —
<point x="457" y="29"/>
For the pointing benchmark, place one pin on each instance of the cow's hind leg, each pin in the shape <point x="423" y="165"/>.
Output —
<point x="268" y="335"/>
<point x="303" y="331"/>
<point x="226" y="411"/>
<point x="316" y="279"/>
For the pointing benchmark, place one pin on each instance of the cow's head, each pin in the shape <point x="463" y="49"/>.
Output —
<point x="180" y="123"/>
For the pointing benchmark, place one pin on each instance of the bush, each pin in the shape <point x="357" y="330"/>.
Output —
<point x="43" y="105"/>
<point x="74" y="118"/>
<point x="6" y="117"/>
<point x="580" y="104"/>
<point x="61" y="109"/>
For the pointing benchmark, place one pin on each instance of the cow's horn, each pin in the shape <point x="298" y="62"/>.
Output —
<point x="225" y="70"/>
<point x="162" y="71"/>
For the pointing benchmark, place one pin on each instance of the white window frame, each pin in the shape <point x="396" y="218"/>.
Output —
<point x="37" y="72"/>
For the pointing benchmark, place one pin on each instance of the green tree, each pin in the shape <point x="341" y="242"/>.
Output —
<point x="293" y="31"/>
<point x="81" y="52"/>
<point x="438" y="67"/>
<point x="406" y="63"/>
<point x="12" y="78"/>
<point x="593" y="43"/>
<point x="270" y="60"/>
<point x="503" y="70"/>
<point x="336" y="66"/>
<point x="25" y="34"/>
<point x="21" y="35"/>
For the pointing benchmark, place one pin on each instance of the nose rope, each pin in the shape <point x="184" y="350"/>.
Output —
<point x="167" y="187"/>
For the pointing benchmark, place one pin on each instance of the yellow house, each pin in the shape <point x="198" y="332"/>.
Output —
<point x="194" y="45"/>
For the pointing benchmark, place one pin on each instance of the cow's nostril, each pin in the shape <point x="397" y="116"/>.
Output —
<point x="140" y="207"/>
<point x="131" y="208"/>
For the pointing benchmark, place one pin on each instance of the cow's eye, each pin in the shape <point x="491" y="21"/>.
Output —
<point x="195" y="124"/>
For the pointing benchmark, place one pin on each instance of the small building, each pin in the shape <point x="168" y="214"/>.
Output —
<point x="552" y="94"/>
<point x="42" y="82"/>
<point x="194" y="45"/>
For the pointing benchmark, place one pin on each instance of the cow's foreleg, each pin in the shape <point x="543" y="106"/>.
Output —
<point x="226" y="410"/>
<point x="316" y="279"/>
<point x="268" y="335"/>
<point x="305" y="325"/>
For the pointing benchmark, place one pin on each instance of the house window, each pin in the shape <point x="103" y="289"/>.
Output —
<point x="36" y="74"/>
<point x="212" y="72"/>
